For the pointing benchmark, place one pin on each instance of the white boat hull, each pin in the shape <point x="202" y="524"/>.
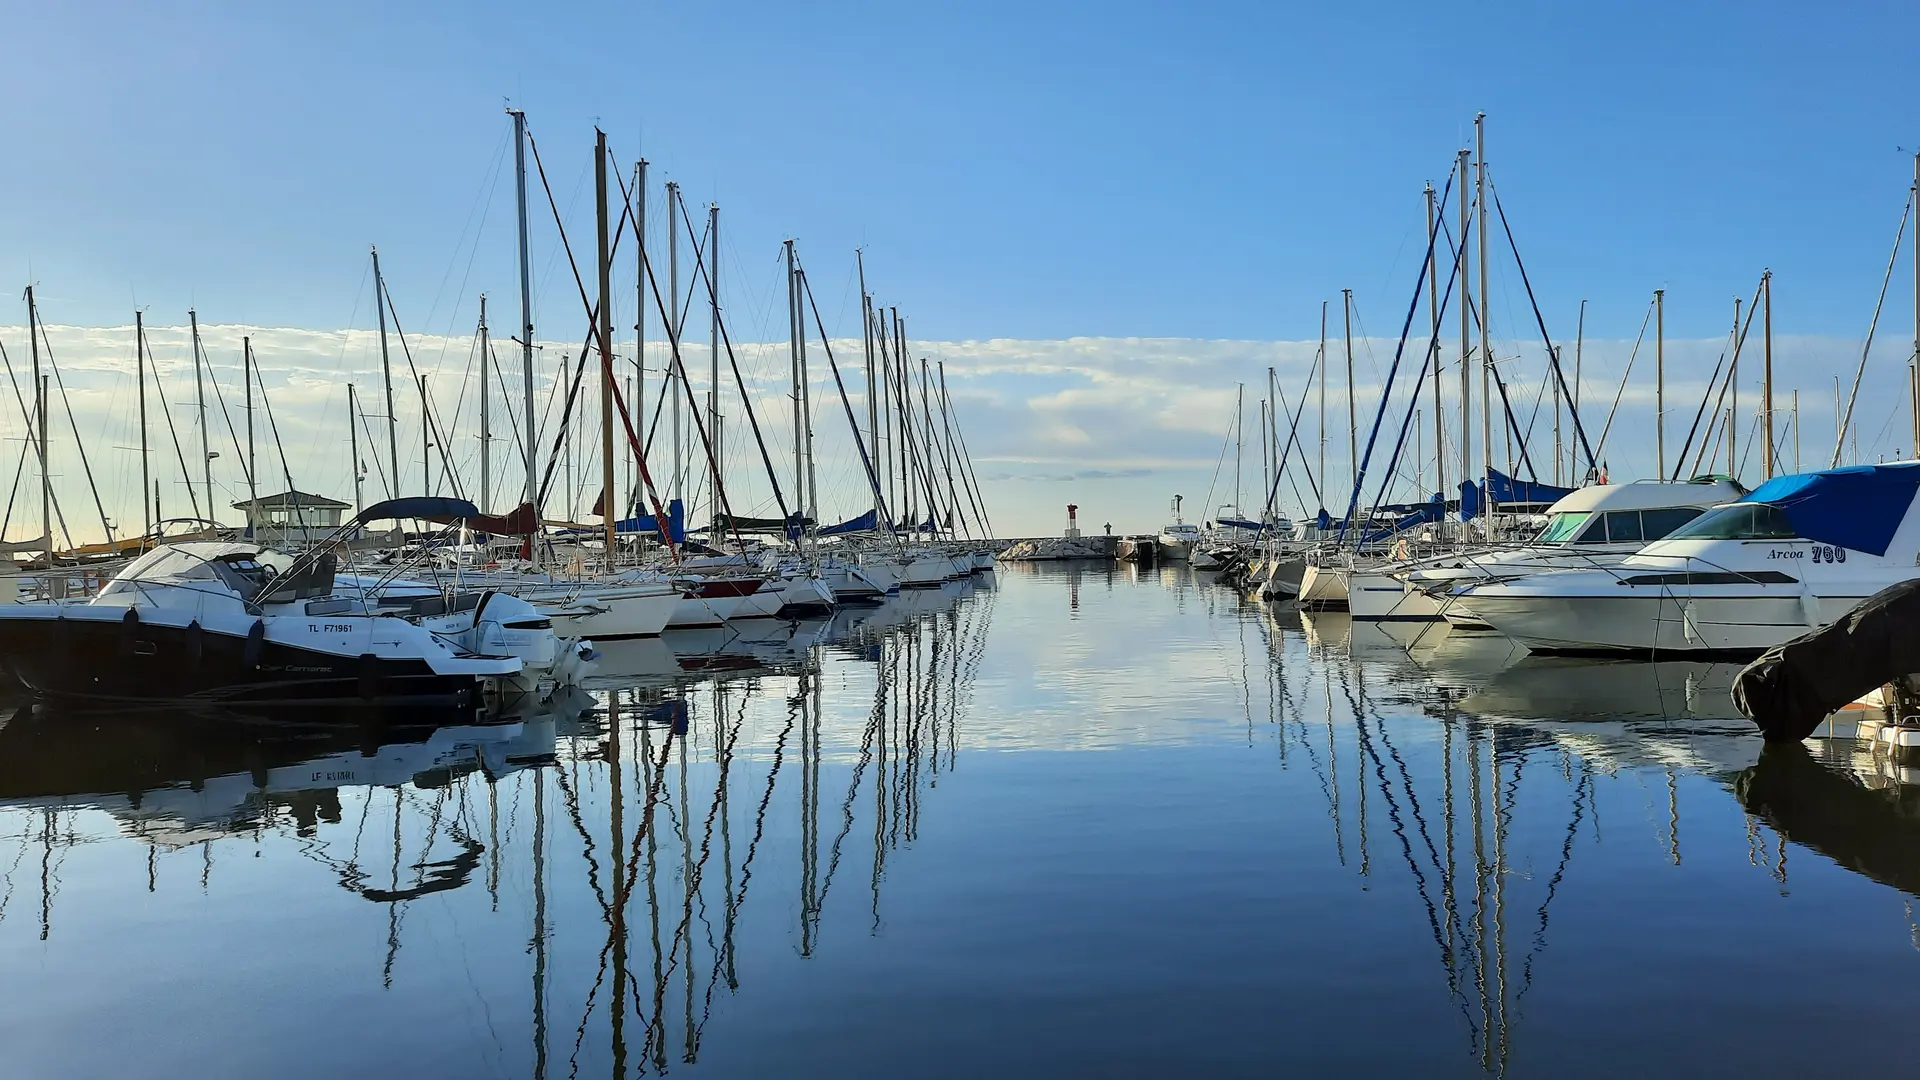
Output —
<point x="1378" y="596"/>
<point x="611" y="615"/>
<point x="1732" y="622"/>
<point x="1324" y="587"/>
<point x="926" y="572"/>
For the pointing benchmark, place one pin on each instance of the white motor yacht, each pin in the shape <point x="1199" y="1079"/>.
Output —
<point x="1796" y="554"/>
<point x="1592" y="527"/>
<point x="1177" y="539"/>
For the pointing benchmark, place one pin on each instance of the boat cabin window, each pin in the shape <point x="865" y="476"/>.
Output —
<point x="1658" y="523"/>
<point x="1612" y="527"/>
<point x="1623" y="527"/>
<point x="1561" y="527"/>
<point x="1636" y="526"/>
<point x="1739" y="521"/>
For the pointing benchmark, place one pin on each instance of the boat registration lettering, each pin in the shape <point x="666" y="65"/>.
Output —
<point x="1787" y="553"/>
<point x="330" y="628"/>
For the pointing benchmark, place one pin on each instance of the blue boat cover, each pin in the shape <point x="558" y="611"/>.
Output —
<point x="1857" y="507"/>
<point x="1433" y="511"/>
<point x="419" y="506"/>
<point x="1505" y="490"/>
<point x="1240" y="523"/>
<point x="1469" y="500"/>
<point x="866" y="522"/>
<point x="676" y="521"/>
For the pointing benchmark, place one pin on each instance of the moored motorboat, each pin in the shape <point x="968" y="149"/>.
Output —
<point x="214" y="621"/>
<point x="1594" y="526"/>
<point x="1794" y="555"/>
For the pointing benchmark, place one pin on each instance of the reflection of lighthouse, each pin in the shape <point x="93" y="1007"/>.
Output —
<point x="1073" y="522"/>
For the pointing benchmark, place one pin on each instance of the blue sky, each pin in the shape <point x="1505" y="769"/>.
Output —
<point x="1034" y="172"/>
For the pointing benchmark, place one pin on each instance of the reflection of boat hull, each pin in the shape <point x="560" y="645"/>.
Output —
<point x="150" y="661"/>
<point x="1570" y="688"/>
<point x="174" y="777"/>
<point x="624" y="663"/>
<point x="1326" y="629"/>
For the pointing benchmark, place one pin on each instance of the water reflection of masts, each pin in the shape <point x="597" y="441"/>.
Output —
<point x="655" y="1033"/>
<point x="539" y="942"/>
<point x="617" y="918"/>
<point x="869" y="739"/>
<point x="1473" y="946"/>
<point x="1351" y="674"/>
<point x="807" y="701"/>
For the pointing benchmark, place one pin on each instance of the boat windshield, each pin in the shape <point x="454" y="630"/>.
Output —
<point x="1739" y="521"/>
<point x="167" y="563"/>
<point x="1562" y="527"/>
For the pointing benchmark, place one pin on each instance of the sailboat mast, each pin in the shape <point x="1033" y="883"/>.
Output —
<point x="888" y="395"/>
<point x="1353" y="416"/>
<point x="426" y="440"/>
<point x="1579" y="346"/>
<point x="353" y="444"/>
<point x="812" y="492"/>
<point x="933" y="444"/>
<point x="1733" y="393"/>
<point x="1321" y="361"/>
<point x="1433" y="347"/>
<point x="905" y="406"/>
<point x="200" y="395"/>
<point x="866" y="341"/>
<point x="714" y="434"/>
<point x="40" y="418"/>
<point x="1466" y="383"/>
<point x="1915" y="200"/>
<point x="793" y="368"/>
<point x="140" y="368"/>
<point x="532" y="495"/>
<point x="1239" y="426"/>
<point x="1266" y="469"/>
<point x="604" y="264"/>
<point x="639" y="323"/>
<point x="386" y="375"/>
<point x="1767" y="453"/>
<point x="673" y="332"/>
<point x="1659" y="378"/>
<point x="486" y="416"/>
<point x="1558" y="446"/>
<point x="253" y="486"/>
<point x="1270" y="435"/>
<point x="46" y="481"/>
<point x="1486" y="339"/>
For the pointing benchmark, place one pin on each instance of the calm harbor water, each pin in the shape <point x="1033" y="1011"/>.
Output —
<point x="1077" y="821"/>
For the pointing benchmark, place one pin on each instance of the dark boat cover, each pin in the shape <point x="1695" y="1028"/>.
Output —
<point x="1793" y="687"/>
